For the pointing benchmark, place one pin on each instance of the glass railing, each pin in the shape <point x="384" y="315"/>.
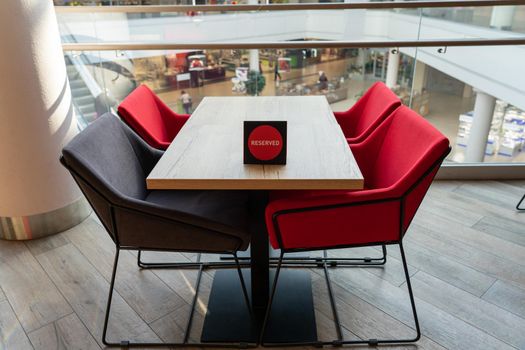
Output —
<point x="187" y="26"/>
<point x="423" y="61"/>
<point x="506" y="18"/>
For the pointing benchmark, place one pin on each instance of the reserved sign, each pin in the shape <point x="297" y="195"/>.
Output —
<point x="264" y="142"/>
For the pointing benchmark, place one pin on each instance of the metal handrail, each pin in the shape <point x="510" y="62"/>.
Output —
<point x="111" y="46"/>
<point x="287" y="7"/>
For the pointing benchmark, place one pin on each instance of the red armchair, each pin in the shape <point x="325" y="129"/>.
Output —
<point x="367" y="113"/>
<point x="399" y="161"/>
<point x="151" y="118"/>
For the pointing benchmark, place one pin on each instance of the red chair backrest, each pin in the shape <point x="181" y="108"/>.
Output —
<point x="374" y="106"/>
<point x="408" y="151"/>
<point x="141" y="110"/>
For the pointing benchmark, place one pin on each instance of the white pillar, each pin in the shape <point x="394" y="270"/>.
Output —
<point x="479" y="130"/>
<point x="502" y="17"/>
<point x="361" y="62"/>
<point x="419" y="77"/>
<point x="254" y="53"/>
<point x="392" y="69"/>
<point x="254" y="60"/>
<point x="37" y="195"/>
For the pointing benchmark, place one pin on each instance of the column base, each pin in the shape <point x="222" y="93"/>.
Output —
<point x="44" y="224"/>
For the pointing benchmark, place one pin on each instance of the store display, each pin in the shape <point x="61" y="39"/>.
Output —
<point x="420" y="100"/>
<point x="507" y="131"/>
<point x="284" y="64"/>
<point x="309" y="85"/>
<point x="512" y="132"/>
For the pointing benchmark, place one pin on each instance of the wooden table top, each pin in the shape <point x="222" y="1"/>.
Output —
<point x="208" y="151"/>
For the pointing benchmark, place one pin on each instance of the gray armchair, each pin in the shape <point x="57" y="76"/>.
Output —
<point x="110" y="164"/>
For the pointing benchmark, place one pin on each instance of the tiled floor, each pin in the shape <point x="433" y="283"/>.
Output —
<point x="466" y="251"/>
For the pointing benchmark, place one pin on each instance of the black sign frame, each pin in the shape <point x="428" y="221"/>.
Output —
<point x="280" y="126"/>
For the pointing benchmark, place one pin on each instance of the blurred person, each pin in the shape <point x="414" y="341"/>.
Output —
<point x="323" y="81"/>
<point x="276" y="71"/>
<point x="186" y="101"/>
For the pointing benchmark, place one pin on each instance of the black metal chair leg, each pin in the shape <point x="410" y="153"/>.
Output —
<point x="110" y="298"/>
<point x="374" y="342"/>
<point x="269" y="310"/>
<point x="187" y="331"/>
<point x="183" y="265"/>
<point x="127" y="343"/>
<point x="184" y="343"/>
<point x="306" y="261"/>
<point x="243" y="284"/>
<point x="410" y="293"/>
<point x="519" y="203"/>
<point x="333" y="304"/>
<point x="366" y="261"/>
<point x="270" y="301"/>
<point x="334" y="262"/>
<point x="339" y="341"/>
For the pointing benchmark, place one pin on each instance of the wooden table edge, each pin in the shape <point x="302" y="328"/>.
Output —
<point x="255" y="184"/>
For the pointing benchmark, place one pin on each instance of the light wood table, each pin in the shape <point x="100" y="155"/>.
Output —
<point x="207" y="154"/>
<point x="208" y="151"/>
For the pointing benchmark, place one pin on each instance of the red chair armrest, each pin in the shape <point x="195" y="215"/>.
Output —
<point x="305" y="220"/>
<point x="175" y="122"/>
<point x="172" y="121"/>
<point x="346" y="120"/>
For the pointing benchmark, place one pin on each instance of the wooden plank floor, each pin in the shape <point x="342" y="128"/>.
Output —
<point x="466" y="251"/>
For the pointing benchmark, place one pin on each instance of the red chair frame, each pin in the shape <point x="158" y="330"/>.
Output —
<point x="340" y="341"/>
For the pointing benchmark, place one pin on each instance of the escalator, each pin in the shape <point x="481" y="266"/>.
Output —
<point x="83" y="99"/>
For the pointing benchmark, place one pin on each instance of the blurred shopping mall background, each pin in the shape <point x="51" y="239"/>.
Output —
<point x="443" y="84"/>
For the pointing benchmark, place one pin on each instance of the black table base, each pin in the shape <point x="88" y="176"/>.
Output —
<point x="292" y="319"/>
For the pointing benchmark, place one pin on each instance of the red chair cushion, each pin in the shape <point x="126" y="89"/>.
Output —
<point x="392" y="159"/>
<point x="151" y="118"/>
<point x="367" y="113"/>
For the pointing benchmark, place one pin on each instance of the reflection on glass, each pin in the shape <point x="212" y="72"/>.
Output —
<point x="506" y="18"/>
<point x="100" y="80"/>
<point x="443" y="86"/>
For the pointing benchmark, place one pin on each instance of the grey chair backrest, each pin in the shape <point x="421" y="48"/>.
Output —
<point x="110" y="164"/>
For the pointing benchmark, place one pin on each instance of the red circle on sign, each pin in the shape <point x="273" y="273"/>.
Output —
<point x="265" y="142"/>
